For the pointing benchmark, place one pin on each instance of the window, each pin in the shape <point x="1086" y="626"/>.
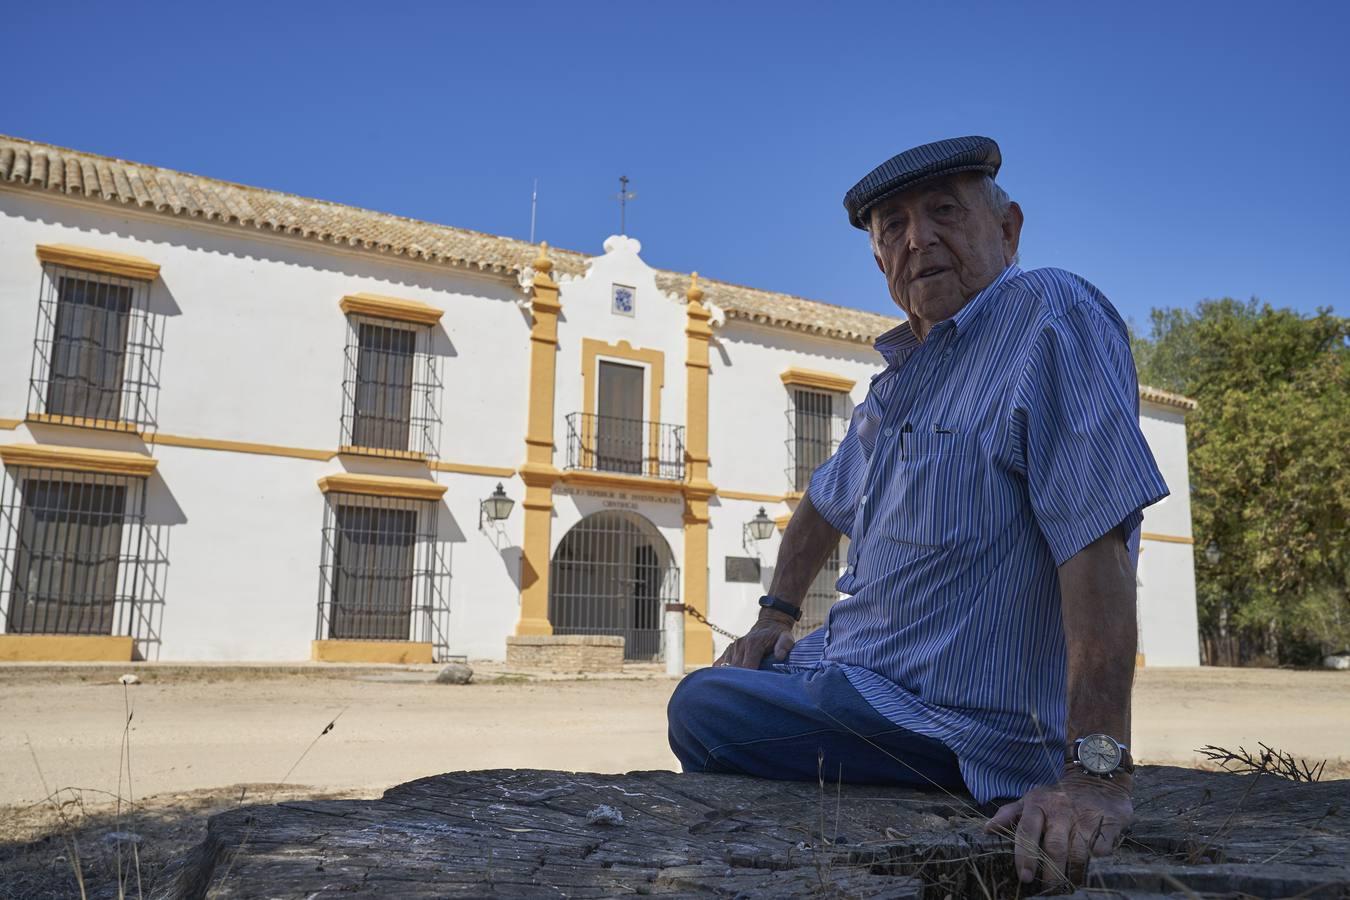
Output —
<point x="373" y="573"/>
<point x="620" y="433"/>
<point x="619" y="428"/>
<point x="89" y="348"/>
<point x="97" y="351"/>
<point x="391" y="386"/>
<point x="76" y="554"/>
<point x="382" y="413"/>
<point x="66" y="557"/>
<point x="817" y="417"/>
<point x="813" y="417"/>
<point x="384" y="576"/>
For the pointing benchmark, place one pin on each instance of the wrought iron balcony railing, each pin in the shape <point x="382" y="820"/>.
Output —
<point x="598" y="443"/>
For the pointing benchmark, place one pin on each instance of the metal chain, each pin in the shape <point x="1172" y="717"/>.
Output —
<point x="699" y="617"/>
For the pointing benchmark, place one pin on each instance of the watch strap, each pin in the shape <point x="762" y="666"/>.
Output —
<point x="768" y="601"/>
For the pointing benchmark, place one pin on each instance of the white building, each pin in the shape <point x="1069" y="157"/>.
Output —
<point x="253" y="426"/>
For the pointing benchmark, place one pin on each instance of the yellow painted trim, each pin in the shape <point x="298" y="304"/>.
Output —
<point x="823" y="381"/>
<point x="470" y="469"/>
<point x="655" y="360"/>
<point x="1139" y="660"/>
<point x="750" y="495"/>
<point x="382" y="486"/>
<point x="406" y="652"/>
<point x="1166" y="538"/>
<point x="174" y="440"/>
<point x="10" y="424"/>
<point x="82" y="422"/>
<point x="621" y="481"/>
<point x="123" y="265"/>
<point x="381" y="307"/>
<point x="698" y="639"/>
<point x="782" y="521"/>
<point x="78" y="459"/>
<point x="66" y="648"/>
<point x="407" y="455"/>
<point x="538" y="471"/>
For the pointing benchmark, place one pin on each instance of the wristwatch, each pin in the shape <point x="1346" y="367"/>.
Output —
<point x="768" y="601"/>
<point x="1101" y="755"/>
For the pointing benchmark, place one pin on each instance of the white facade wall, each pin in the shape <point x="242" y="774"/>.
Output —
<point x="1169" y="631"/>
<point x="254" y="343"/>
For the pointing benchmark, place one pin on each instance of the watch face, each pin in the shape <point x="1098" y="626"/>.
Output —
<point x="1099" y="754"/>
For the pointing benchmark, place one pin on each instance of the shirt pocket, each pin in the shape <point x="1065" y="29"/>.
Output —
<point x="932" y="498"/>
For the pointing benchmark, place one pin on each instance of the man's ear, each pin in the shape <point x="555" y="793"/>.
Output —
<point x="1012" y="232"/>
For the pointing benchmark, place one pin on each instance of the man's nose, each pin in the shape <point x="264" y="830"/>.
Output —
<point x="921" y="234"/>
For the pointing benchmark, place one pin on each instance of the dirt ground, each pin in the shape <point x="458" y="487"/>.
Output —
<point x="196" y="741"/>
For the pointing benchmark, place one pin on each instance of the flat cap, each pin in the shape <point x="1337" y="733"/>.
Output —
<point x="913" y="167"/>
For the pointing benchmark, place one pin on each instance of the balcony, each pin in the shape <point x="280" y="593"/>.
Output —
<point x="633" y="447"/>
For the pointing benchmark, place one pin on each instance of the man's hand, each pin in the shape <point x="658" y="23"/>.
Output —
<point x="771" y="634"/>
<point x="1059" y="826"/>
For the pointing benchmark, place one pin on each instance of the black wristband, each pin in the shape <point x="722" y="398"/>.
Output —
<point x="768" y="601"/>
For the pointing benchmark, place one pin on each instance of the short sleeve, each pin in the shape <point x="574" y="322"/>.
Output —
<point x="837" y="484"/>
<point x="1088" y="467"/>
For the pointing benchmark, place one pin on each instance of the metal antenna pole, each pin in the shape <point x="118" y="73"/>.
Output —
<point x="534" y="205"/>
<point x="624" y="196"/>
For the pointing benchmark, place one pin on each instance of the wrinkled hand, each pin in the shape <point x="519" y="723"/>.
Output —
<point x="772" y="633"/>
<point x="1060" y="825"/>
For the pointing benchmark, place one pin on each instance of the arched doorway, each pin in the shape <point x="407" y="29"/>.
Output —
<point x="612" y="574"/>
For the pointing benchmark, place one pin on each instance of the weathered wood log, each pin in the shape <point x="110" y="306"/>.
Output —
<point x="555" y="834"/>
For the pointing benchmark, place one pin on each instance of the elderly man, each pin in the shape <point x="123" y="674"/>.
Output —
<point x="991" y="486"/>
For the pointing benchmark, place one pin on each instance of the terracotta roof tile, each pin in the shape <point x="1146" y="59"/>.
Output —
<point x="1166" y="398"/>
<point x="46" y="167"/>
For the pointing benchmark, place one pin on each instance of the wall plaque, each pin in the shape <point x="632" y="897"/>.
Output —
<point x="743" y="568"/>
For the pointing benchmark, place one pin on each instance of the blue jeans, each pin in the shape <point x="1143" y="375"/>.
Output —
<point x="776" y="725"/>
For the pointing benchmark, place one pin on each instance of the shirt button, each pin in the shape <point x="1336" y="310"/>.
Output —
<point x="947" y="354"/>
<point x="887" y="432"/>
<point x="848" y="571"/>
<point x="862" y="502"/>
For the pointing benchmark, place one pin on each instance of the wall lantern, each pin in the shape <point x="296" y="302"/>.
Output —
<point x="495" y="508"/>
<point x="757" y="529"/>
<point x="1212" y="554"/>
<point x="761" y="526"/>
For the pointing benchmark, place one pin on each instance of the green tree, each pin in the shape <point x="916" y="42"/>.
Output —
<point x="1269" y="472"/>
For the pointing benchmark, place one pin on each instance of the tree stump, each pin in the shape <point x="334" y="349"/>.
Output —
<point x="523" y="833"/>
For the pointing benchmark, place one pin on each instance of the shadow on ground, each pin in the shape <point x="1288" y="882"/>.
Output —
<point x="39" y="844"/>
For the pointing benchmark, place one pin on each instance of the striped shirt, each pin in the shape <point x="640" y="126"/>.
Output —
<point x="982" y="459"/>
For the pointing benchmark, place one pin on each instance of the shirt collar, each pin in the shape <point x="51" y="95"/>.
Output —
<point x="967" y="315"/>
<point x="900" y="341"/>
<point x="897" y="344"/>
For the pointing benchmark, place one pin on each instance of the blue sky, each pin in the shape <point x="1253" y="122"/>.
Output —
<point x="1167" y="151"/>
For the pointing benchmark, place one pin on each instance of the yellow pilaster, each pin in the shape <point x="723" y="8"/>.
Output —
<point x="698" y="641"/>
<point x="538" y="472"/>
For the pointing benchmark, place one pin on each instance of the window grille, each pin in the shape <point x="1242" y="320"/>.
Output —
<point x="391" y="388"/>
<point x="384" y="573"/>
<point x="97" y="352"/>
<point x="815" y="427"/>
<point x="612" y="574"/>
<point x="77" y="557"/>
<point x="822" y="594"/>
